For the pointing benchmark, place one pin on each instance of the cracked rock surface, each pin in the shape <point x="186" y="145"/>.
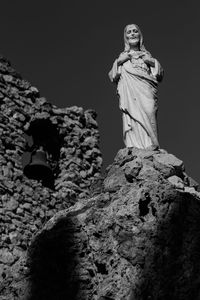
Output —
<point x="137" y="238"/>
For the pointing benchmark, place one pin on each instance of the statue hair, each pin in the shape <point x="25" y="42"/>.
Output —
<point x="127" y="46"/>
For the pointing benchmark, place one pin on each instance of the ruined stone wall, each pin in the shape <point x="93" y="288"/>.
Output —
<point x="25" y="204"/>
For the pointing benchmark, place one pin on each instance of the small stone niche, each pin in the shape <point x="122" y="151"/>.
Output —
<point x="43" y="150"/>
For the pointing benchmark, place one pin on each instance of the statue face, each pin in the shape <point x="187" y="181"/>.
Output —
<point x="132" y="35"/>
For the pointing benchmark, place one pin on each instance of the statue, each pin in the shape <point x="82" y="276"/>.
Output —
<point x="137" y="74"/>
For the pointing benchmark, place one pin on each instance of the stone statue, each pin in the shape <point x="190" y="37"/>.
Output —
<point x="137" y="75"/>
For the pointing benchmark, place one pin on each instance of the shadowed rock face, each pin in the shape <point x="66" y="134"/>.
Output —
<point x="138" y="238"/>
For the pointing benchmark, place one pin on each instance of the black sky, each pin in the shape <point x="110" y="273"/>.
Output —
<point x="66" y="49"/>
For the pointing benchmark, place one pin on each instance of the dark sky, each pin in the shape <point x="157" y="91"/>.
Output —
<point x="66" y="49"/>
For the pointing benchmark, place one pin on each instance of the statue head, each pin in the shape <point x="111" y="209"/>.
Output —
<point x="138" y="38"/>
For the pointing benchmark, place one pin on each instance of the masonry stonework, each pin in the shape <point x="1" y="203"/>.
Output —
<point x="26" y="204"/>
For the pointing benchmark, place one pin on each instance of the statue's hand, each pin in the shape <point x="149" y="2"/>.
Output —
<point x="123" y="58"/>
<point x="149" y="60"/>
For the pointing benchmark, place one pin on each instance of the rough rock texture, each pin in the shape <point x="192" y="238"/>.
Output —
<point x="25" y="205"/>
<point x="136" y="238"/>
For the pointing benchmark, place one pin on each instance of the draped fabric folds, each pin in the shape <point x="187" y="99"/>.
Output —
<point x="137" y="90"/>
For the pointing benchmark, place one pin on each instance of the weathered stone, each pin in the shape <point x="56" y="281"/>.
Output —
<point x="27" y="206"/>
<point x="14" y="237"/>
<point x="90" y="142"/>
<point x="149" y="173"/>
<point x="132" y="169"/>
<point x="165" y="170"/>
<point x="192" y="183"/>
<point x="126" y="242"/>
<point x="176" y="181"/>
<point x="169" y="160"/>
<point x="8" y="78"/>
<point x="12" y="204"/>
<point x="6" y="257"/>
<point x="192" y="191"/>
<point x="114" y="180"/>
<point x="124" y="155"/>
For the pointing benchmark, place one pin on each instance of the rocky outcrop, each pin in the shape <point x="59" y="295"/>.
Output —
<point x="131" y="235"/>
<point x="26" y="204"/>
<point x="136" y="239"/>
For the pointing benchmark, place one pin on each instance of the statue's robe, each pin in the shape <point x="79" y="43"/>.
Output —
<point x="137" y="90"/>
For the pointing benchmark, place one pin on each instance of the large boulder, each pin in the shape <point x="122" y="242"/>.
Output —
<point x="138" y="238"/>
